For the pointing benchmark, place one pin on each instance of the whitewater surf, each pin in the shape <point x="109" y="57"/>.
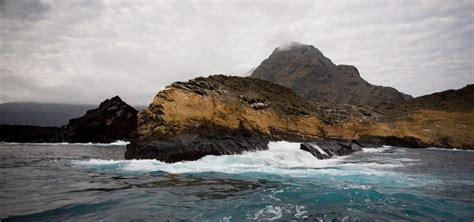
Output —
<point x="94" y="182"/>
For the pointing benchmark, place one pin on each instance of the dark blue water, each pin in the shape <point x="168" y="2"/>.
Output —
<point x="90" y="183"/>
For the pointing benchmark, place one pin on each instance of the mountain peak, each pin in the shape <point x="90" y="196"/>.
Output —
<point x="298" y="47"/>
<point x="116" y="98"/>
<point x="305" y="70"/>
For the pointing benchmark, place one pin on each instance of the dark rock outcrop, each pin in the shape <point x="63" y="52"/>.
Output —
<point x="112" y="120"/>
<point x="325" y="149"/>
<point x="305" y="70"/>
<point x="192" y="147"/>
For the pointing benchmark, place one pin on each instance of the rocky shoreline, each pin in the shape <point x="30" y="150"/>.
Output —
<point x="229" y="115"/>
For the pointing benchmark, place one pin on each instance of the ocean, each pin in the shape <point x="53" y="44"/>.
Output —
<point x="92" y="182"/>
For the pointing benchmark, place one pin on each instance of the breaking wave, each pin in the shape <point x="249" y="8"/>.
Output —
<point x="283" y="158"/>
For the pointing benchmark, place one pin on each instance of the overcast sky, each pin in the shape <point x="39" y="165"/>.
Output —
<point x="86" y="51"/>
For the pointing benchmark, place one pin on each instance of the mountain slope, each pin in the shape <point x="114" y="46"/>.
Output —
<point x="305" y="70"/>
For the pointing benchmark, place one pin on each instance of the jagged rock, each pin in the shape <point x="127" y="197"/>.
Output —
<point x="305" y="70"/>
<point x="326" y="149"/>
<point x="112" y="120"/>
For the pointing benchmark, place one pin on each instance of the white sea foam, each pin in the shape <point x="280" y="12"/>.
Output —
<point x="282" y="158"/>
<point x="376" y="150"/>
<point x="447" y="149"/>
<point x="116" y="143"/>
<point x="268" y="213"/>
<point x="321" y="150"/>
<point x="300" y="212"/>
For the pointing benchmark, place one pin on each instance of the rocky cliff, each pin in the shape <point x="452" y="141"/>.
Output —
<point x="305" y="70"/>
<point x="224" y="114"/>
<point x="220" y="115"/>
<point x="112" y="120"/>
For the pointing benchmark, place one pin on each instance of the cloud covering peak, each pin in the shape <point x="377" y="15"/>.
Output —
<point x="290" y="45"/>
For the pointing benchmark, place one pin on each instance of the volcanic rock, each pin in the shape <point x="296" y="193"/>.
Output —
<point x="112" y="120"/>
<point x="326" y="149"/>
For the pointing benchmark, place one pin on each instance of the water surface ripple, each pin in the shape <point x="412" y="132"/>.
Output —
<point x="77" y="182"/>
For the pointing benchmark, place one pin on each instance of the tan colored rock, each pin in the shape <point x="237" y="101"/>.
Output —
<point x="222" y="108"/>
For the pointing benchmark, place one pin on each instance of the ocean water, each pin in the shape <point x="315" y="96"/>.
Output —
<point x="92" y="182"/>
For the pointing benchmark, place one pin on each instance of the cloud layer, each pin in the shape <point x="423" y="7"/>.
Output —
<point x="86" y="51"/>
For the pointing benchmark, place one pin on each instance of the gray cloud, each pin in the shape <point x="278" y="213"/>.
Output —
<point x="85" y="51"/>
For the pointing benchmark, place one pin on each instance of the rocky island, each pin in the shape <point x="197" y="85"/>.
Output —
<point x="227" y="115"/>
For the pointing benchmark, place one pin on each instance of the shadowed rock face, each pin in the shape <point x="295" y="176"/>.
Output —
<point x="193" y="147"/>
<point x="112" y="120"/>
<point x="305" y="70"/>
<point x="223" y="114"/>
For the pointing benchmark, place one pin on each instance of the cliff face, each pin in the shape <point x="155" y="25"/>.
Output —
<point x="306" y="71"/>
<point x="205" y="106"/>
<point x="222" y="115"/>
